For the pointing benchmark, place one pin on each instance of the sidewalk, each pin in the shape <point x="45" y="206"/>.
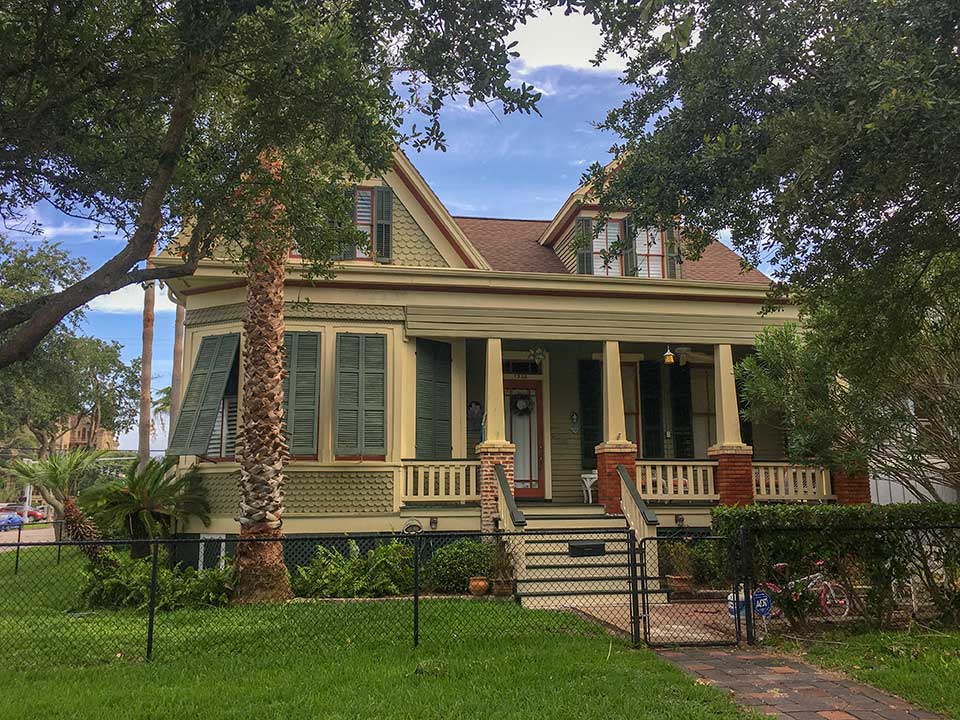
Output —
<point x="784" y="687"/>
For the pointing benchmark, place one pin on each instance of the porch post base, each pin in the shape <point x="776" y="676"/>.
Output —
<point x="851" y="488"/>
<point x="493" y="453"/>
<point x="733" y="478"/>
<point x="609" y="455"/>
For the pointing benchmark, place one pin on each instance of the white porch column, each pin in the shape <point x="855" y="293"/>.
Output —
<point x="725" y="388"/>
<point x="614" y="419"/>
<point x="495" y="431"/>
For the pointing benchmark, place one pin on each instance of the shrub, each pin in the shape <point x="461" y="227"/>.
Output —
<point x="124" y="583"/>
<point x="385" y="570"/>
<point x="452" y="566"/>
<point x="872" y="551"/>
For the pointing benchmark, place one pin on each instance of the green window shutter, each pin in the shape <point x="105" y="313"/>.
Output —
<point x="301" y="391"/>
<point x="672" y="250"/>
<point x="383" y="207"/>
<point x="434" y="436"/>
<point x="630" y="248"/>
<point x="651" y="409"/>
<point x="584" y="239"/>
<point x="374" y="395"/>
<point x="681" y="403"/>
<point x="347" y="410"/>
<point x="202" y="401"/>
<point x="591" y="411"/>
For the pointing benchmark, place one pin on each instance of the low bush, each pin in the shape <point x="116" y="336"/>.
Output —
<point x="452" y="566"/>
<point x="887" y="558"/>
<point x="386" y="570"/>
<point x="124" y="583"/>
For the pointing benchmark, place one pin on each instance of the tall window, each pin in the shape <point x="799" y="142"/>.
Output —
<point x="650" y="256"/>
<point x="609" y="234"/>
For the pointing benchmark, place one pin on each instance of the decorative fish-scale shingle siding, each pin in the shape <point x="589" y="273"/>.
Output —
<point x="411" y="246"/>
<point x="313" y="492"/>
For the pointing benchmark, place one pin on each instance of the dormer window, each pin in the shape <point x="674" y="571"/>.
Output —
<point x="651" y="258"/>
<point x="610" y="233"/>
<point x="646" y="257"/>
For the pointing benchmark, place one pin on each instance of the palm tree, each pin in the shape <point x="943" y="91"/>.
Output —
<point x="261" y="574"/>
<point x="147" y="502"/>
<point x="58" y="478"/>
<point x="161" y="407"/>
<point x="146" y="369"/>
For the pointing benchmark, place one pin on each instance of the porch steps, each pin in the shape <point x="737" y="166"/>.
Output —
<point x="553" y="579"/>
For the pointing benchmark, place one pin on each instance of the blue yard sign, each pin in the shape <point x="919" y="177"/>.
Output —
<point x="762" y="604"/>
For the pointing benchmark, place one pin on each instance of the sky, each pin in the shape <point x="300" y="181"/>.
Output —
<point x="511" y="166"/>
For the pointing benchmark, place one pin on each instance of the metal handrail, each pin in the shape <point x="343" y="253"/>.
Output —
<point x="649" y="516"/>
<point x="517" y="517"/>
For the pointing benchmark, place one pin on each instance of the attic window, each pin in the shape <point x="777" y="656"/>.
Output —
<point x="651" y="262"/>
<point x="609" y="234"/>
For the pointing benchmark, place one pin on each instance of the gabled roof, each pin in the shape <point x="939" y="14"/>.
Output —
<point x="514" y="246"/>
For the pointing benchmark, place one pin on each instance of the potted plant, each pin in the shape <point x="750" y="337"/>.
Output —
<point x="502" y="570"/>
<point x="679" y="559"/>
<point x="479" y="585"/>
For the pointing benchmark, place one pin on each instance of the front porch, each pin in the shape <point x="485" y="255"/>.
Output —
<point x="566" y="420"/>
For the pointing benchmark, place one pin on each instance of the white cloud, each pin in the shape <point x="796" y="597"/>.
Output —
<point x="129" y="299"/>
<point x="558" y="39"/>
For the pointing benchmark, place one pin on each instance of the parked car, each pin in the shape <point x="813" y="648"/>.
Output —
<point x="10" y="521"/>
<point x="33" y="514"/>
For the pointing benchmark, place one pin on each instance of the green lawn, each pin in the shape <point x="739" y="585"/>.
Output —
<point x="323" y="660"/>
<point x="922" y="666"/>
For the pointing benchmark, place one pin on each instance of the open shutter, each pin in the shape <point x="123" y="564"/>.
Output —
<point x="584" y="240"/>
<point x="383" y="208"/>
<point x="672" y="250"/>
<point x="681" y="401"/>
<point x="347" y="410"/>
<point x="350" y="252"/>
<point x="374" y="395"/>
<point x="629" y="248"/>
<point x="591" y="412"/>
<point x="434" y="437"/>
<point x="301" y="391"/>
<point x="202" y="401"/>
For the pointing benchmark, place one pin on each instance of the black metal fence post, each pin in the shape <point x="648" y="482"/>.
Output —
<point x="645" y="589"/>
<point x="634" y="589"/>
<point x="16" y="563"/>
<point x="746" y="561"/>
<point x="416" y="590"/>
<point x="153" y="598"/>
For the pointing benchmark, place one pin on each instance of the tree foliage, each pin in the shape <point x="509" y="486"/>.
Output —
<point x="151" y="119"/>
<point x="903" y="424"/>
<point x="821" y="134"/>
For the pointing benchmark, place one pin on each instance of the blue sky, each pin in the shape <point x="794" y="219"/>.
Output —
<point x="514" y="166"/>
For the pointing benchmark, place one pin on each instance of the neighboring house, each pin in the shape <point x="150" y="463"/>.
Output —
<point x="80" y="433"/>
<point x="462" y="343"/>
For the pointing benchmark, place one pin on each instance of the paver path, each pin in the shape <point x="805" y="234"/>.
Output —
<point x="787" y="688"/>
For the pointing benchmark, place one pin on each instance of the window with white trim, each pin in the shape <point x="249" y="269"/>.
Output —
<point x="609" y="234"/>
<point x="651" y="260"/>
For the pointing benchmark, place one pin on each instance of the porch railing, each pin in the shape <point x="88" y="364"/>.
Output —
<point x="783" y="481"/>
<point x="453" y="481"/>
<point x="676" y="480"/>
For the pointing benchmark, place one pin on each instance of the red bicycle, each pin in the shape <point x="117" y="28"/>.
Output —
<point x="834" y="602"/>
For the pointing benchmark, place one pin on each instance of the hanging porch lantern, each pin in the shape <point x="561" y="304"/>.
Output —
<point x="668" y="357"/>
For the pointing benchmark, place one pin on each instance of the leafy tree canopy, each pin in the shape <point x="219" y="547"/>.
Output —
<point x="148" y="117"/>
<point x="822" y="134"/>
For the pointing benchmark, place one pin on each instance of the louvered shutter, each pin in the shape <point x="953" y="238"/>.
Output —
<point x="383" y="208"/>
<point x="374" y="395"/>
<point x="629" y="248"/>
<point x="347" y="410"/>
<point x="672" y="250"/>
<point x="591" y="411"/>
<point x="434" y="436"/>
<point x="201" y="403"/>
<point x="301" y="391"/>
<point x="584" y="240"/>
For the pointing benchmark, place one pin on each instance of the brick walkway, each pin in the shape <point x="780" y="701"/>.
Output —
<point x="783" y="687"/>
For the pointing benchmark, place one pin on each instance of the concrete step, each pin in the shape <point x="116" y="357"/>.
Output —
<point x="561" y="509"/>
<point x="583" y="523"/>
<point x="617" y="600"/>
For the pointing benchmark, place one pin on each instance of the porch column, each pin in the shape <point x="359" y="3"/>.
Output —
<point x="494" y="449"/>
<point x="615" y="448"/>
<point x="734" y="474"/>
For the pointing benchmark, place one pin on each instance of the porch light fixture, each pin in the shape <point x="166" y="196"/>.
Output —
<point x="537" y="355"/>
<point x="668" y="357"/>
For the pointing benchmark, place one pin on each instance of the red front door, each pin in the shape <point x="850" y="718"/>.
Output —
<point x="523" y="410"/>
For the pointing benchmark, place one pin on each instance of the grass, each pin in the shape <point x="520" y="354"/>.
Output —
<point x="919" y="665"/>
<point x="323" y="660"/>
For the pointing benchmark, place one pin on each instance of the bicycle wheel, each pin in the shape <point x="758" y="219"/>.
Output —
<point x="833" y="601"/>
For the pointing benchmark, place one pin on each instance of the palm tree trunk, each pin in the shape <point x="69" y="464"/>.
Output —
<point x="176" y="379"/>
<point x="78" y="526"/>
<point x="146" y="370"/>
<point x="261" y="574"/>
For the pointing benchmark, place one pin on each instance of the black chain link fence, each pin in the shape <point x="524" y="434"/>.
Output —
<point x="816" y="578"/>
<point x="79" y="603"/>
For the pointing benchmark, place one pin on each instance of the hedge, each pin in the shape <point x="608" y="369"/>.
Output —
<point x="891" y="560"/>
